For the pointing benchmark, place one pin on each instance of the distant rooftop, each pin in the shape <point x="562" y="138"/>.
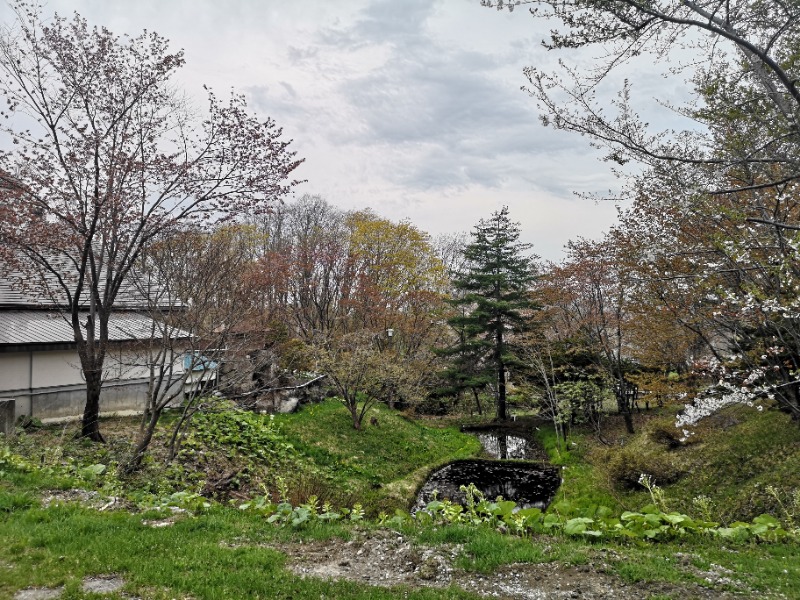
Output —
<point x="43" y="291"/>
<point x="25" y="327"/>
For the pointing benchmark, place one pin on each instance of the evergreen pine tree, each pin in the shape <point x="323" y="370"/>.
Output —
<point x="495" y="303"/>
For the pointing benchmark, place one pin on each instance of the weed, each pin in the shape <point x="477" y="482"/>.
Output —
<point x="15" y="501"/>
<point x="790" y="508"/>
<point x="656" y="493"/>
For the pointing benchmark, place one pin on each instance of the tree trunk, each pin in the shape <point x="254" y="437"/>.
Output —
<point x="624" y="403"/>
<point x="793" y="397"/>
<point x="502" y="415"/>
<point x="624" y="408"/>
<point x="353" y="406"/>
<point x="90" y="423"/>
<point x="628" y="422"/>
<point x="477" y="400"/>
<point x="502" y="446"/>
<point x="145" y="437"/>
<point x="188" y="411"/>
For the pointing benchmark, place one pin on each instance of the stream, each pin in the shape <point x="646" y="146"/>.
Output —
<point x="517" y="471"/>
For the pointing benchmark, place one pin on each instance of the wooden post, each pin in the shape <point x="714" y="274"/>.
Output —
<point x="7" y="415"/>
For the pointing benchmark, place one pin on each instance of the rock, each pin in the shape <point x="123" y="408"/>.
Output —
<point x="428" y="569"/>
<point x="289" y="405"/>
<point x="38" y="593"/>
<point x="103" y="584"/>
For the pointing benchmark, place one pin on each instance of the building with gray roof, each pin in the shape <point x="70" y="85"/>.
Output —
<point x="39" y="364"/>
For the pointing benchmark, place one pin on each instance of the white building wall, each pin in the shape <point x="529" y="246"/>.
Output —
<point x="50" y="384"/>
<point x="58" y="367"/>
<point x="15" y="374"/>
<point x="14" y="371"/>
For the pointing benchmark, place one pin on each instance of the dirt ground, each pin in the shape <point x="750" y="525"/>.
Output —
<point x="387" y="558"/>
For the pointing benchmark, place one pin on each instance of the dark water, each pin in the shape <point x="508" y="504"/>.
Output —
<point x="528" y="484"/>
<point x="518" y="474"/>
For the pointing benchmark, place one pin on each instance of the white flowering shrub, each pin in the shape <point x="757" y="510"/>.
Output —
<point x="748" y="388"/>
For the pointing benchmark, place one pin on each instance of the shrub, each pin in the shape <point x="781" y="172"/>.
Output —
<point x="627" y="465"/>
<point x="666" y="434"/>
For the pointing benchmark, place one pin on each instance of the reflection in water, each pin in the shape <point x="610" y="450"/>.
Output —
<point x="528" y="484"/>
<point x="503" y="446"/>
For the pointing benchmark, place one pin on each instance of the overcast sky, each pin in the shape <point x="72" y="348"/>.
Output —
<point x="410" y="107"/>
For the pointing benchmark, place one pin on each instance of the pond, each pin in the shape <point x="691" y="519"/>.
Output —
<point x="528" y="483"/>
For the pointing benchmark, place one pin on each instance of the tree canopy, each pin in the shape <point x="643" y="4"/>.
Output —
<point x="740" y="57"/>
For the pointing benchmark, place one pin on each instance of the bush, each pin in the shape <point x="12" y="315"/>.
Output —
<point x="627" y="465"/>
<point x="666" y="434"/>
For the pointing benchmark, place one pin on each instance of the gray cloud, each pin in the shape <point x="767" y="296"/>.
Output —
<point x="389" y="20"/>
<point x="447" y="112"/>
<point x="411" y="107"/>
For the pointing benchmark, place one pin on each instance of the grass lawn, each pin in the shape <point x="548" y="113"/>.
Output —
<point x="215" y="556"/>
<point x="382" y="465"/>
<point x="223" y="552"/>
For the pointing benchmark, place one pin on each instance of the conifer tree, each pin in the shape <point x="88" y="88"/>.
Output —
<point x="495" y="301"/>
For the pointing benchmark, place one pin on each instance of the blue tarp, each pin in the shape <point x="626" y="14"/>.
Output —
<point x="198" y="362"/>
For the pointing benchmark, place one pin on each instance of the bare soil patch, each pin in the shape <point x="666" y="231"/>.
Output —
<point x="103" y="584"/>
<point x="97" y="584"/>
<point x="38" y="593"/>
<point x="386" y="558"/>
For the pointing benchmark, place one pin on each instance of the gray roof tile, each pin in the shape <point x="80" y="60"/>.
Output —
<point x="42" y="289"/>
<point x="20" y="327"/>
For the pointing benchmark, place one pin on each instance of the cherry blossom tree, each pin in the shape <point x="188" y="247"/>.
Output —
<point x="732" y="281"/>
<point x="595" y="287"/>
<point x="713" y="198"/>
<point x="106" y="157"/>
<point x="200" y="299"/>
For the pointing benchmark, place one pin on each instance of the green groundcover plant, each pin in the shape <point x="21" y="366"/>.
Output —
<point x="650" y="523"/>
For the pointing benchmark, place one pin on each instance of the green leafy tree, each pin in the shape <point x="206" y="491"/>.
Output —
<point x="495" y="300"/>
<point x="363" y="374"/>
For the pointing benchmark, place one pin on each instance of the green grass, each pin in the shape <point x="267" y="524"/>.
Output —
<point x="485" y="549"/>
<point x="215" y="556"/>
<point x="734" y="460"/>
<point x="382" y="465"/>
<point x="225" y="553"/>
<point x="581" y="484"/>
<point x="731" y="459"/>
<point x="771" y="570"/>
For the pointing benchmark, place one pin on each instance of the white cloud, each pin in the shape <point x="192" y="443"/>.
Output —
<point x="413" y="107"/>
